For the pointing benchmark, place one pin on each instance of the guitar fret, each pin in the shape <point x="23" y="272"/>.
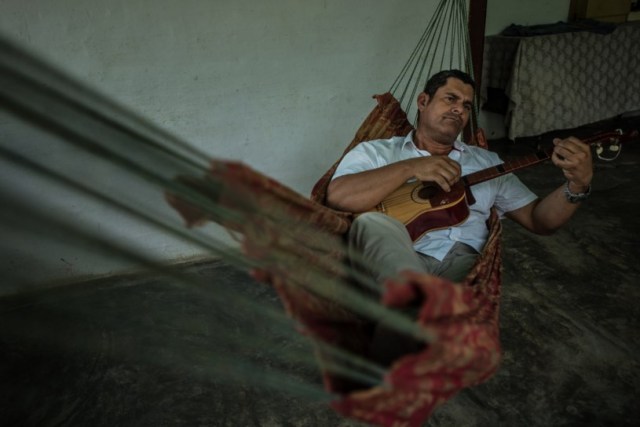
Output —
<point x="505" y="168"/>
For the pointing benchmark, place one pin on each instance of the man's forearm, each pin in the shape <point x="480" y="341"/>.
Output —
<point x="553" y="212"/>
<point x="362" y="191"/>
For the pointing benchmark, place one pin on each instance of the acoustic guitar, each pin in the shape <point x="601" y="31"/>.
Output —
<point x="424" y="206"/>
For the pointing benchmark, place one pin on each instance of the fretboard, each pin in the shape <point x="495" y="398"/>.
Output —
<point x="505" y="168"/>
<point x="539" y="157"/>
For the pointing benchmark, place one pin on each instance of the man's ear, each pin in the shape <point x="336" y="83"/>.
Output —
<point x="423" y="100"/>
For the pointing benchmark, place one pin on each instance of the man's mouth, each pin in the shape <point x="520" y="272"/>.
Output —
<point x="454" y="118"/>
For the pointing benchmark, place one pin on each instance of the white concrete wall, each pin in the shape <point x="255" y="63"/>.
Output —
<point x="281" y="85"/>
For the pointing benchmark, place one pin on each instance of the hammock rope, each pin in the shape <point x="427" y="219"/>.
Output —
<point x="445" y="32"/>
<point x="47" y="103"/>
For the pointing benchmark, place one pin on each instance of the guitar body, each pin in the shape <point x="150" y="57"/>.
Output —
<point x="425" y="207"/>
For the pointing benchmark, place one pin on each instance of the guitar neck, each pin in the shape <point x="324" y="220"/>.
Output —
<point x="507" y="167"/>
<point x="533" y="159"/>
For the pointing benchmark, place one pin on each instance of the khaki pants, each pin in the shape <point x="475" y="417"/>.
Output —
<point x="381" y="247"/>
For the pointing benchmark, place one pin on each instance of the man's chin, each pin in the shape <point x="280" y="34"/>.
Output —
<point x="446" y="139"/>
<point x="451" y="132"/>
<point x="455" y="125"/>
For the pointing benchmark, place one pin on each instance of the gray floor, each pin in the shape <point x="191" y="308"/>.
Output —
<point x="140" y="351"/>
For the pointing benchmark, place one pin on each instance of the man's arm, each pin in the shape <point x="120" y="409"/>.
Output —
<point x="547" y="215"/>
<point x="360" y="192"/>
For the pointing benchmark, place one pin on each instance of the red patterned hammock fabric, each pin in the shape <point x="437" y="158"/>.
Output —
<point x="461" y="317"/>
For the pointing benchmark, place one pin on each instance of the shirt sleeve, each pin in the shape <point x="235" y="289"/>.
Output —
<point x="360" y="158"/>
<point x="512" y="194"/>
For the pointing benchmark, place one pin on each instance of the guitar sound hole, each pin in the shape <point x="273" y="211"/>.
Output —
<point x="428" y="191"/>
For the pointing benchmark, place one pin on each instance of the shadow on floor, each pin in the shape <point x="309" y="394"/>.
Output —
<point x="144" y="351"/>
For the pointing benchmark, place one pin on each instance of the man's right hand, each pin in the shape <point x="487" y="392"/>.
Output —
<point x="360" y="192"/>
<point x="439" y="169"/>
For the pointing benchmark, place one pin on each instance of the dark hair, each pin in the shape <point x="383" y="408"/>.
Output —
<point x="440" y="79"/>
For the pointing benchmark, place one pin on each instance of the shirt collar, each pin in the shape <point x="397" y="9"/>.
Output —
<point x="408" y="140"/>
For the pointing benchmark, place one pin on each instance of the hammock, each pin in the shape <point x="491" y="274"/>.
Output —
<point x="461" y="319"/>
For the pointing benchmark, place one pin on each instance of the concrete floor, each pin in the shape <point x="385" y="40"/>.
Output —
<point x="138" y="351"/>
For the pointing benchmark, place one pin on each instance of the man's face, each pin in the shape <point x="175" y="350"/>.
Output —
<point x="445" y="115"/>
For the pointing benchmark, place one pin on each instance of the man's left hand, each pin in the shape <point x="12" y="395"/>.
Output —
<point x="574" y="158"/>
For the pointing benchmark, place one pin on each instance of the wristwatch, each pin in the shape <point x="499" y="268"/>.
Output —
<point x="576" y="197"/>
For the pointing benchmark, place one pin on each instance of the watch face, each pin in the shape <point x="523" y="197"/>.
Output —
<point x="575" y="197"/>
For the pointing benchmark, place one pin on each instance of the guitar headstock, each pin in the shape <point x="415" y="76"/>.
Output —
<point x="608" y="145"/>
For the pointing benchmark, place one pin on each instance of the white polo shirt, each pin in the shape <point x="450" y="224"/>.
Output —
<point x="506" y="193"/>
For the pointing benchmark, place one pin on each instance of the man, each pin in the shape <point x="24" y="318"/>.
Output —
<point x="372" y="170"/>
<point x="432" y="153"/>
